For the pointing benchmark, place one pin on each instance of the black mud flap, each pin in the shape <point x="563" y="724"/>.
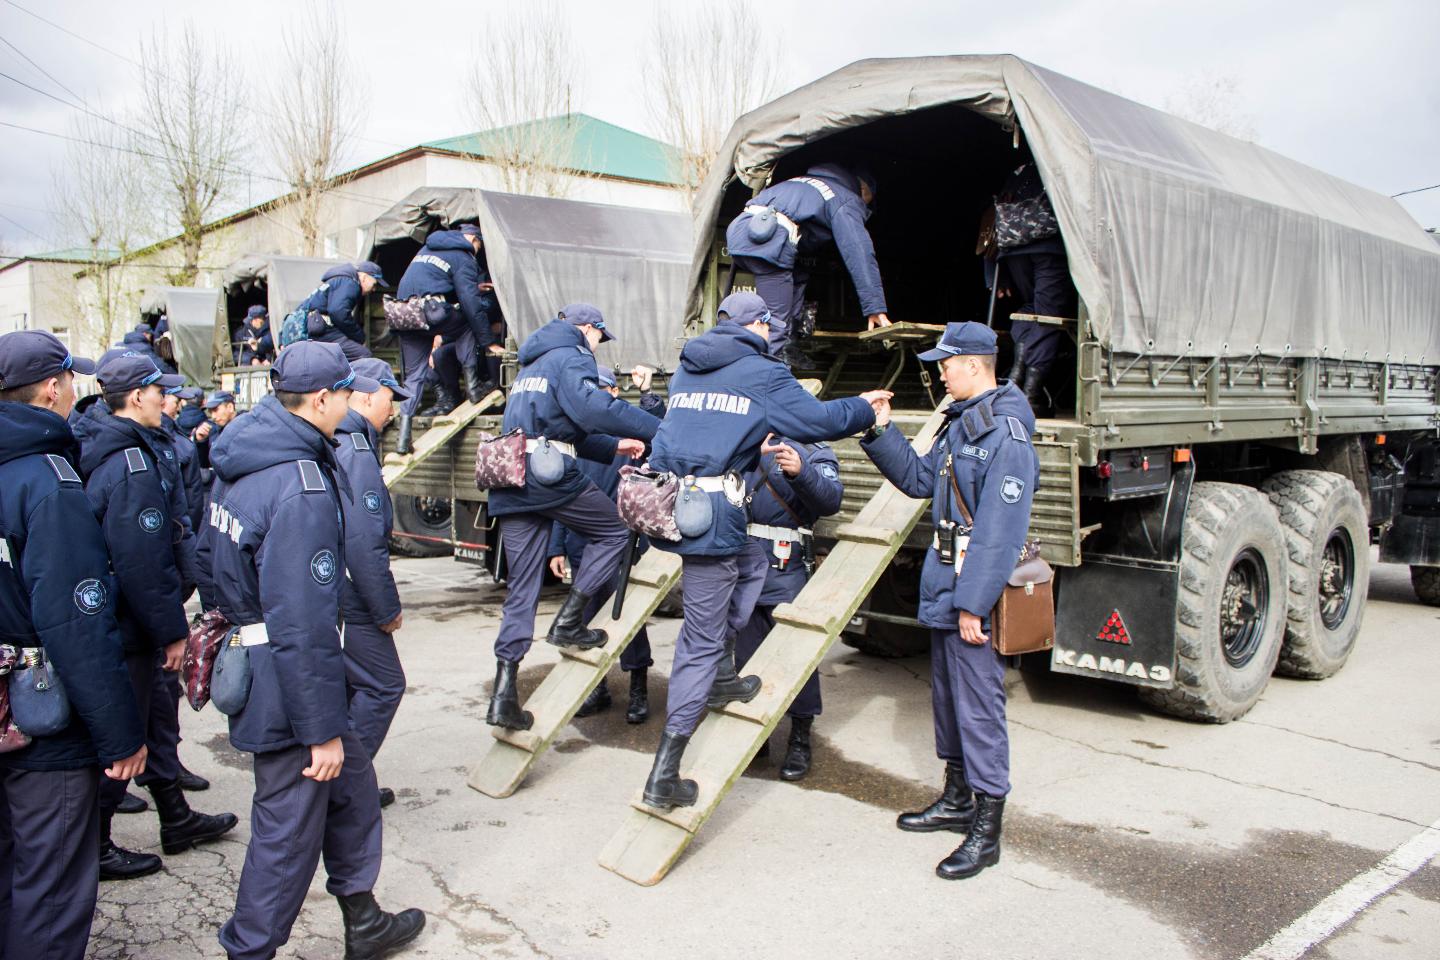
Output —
<point x="472" y="533"/>
<point x="1116" y="621"/>
<point x="1412" y="540"/>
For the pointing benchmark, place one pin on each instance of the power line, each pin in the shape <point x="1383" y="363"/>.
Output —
<point x="42" y="70"/>
<point x="25" y="228"/>
<point x="75" y="106"/>
<point x="1406" y="193"/>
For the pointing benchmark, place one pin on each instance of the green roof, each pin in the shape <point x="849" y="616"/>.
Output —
<point x="74" y="255"/>
<point x="599" y="147"/>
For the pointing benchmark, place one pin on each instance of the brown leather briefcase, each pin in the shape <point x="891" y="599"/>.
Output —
<point x="1023" y="621"/>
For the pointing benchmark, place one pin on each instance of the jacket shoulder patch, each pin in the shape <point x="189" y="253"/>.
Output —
<point x="64" y="471"/>
<point x="977" y="421"/>
<point x="310" y="476"/>
<point x="1018" y="431"/>
<point x="135" y="460"/>
<point x="359" y="442"/>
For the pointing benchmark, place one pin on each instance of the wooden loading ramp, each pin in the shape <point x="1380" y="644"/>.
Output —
<point x="651" y="840"/>
<point x="442" y="430"/>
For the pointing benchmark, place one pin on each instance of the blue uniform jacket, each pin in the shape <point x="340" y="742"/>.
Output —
<point x="191" y="416"/>
<point x="826" y="205"/>
<point x="274" y="544"/>
<point x="728" y="394"/>
<point x="555" y="395"/>
<point x="167" y="458"/>
<point x="447" y="267"/>
<point x="264" y="343"/>
<point x="813" y="493"/>
<point x="57" y="592"/>
<point x="193" y="480"/>
<point x="337" y="298"/>
<point x="141" y="517"/>
<point x="996" y="470"/>
<point x="368" y="594"/>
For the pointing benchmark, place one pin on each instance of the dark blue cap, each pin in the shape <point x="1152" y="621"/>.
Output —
<point x="382" y="373"/>
<point x="372" y="268"/>
<point x="469" y="229"/>
<point x="579" y="314"/>
<point x="144" y="328"/>
<point x="131" y="371"/>
<point x="187" y="393"/>
<point x="29" y="356"/>
<point x="743" y="309"/>
<point x="217" y="398"/>
<point x="606" y="378"/>
<point x="256" y="311"/>
<point x="968" y="339"/>
<point x="310" y="365"/>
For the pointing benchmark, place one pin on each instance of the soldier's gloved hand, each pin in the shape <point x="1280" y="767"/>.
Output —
<point x="129" y="768"/>
<point x="631" y="448"/>
<point x="559" y="567"/>
<point x="970" y="630"/>
<point x="877" y="320"/>
<point x="174" y="655"/>
<point x="326" y="759"/>
<point x="393" y="625"/>
<point x="786" y="457"/>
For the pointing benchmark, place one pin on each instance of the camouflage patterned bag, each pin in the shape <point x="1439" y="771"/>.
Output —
<point x="405" y="315"/>
<point x="11" y="736"/>
<point x="646" y="501"/>
<point x="207" y="632"/>
<point x="500" y="461"/>
<point x="1024" y="221"/>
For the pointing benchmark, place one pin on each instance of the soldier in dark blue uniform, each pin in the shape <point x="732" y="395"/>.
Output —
<point x="727" y="397"/>
<point x="568" y="547"/>
<point x="275" y="545"/>
<point x="983" y="457"/>
<point x="369" y="600"/>
<point x="219" y="409"/>
<point x="186" y="452"/>
<point x="796" y="218"/>
<point x="339" y="305"/>
<point x="556" y="396"/>
<point x="795" y="485"/>
<point x="254" y="343"/>
<point x="142" y="514"/>
<point x="57" y="595"/>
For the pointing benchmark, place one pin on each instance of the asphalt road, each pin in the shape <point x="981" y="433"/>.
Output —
<point x="1128" y="834"/>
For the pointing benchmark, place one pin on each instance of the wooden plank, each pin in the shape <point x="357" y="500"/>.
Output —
<point x="903" y="331"/>
<point x="650" y="841"/>
<point x="859" y="534"/>
<point x="553" y="703"/>
<point x="442" y="430"/>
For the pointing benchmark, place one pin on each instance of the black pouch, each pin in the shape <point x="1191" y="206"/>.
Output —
<point x="230" y="679"/>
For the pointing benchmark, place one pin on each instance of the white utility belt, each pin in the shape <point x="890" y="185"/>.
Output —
<point x="791" y="227"/>
<point x="777" y="534"/>
<point x="254" y="635"/>
<point x="562" y="446"/>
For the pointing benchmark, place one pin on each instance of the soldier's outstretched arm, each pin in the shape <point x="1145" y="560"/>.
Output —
<point x="1002" y="517"/>
<point x="595" y="411"/>
<point x="858" y="252"/>
<point x="791" y="412"/>
<point x="912" y="474"/>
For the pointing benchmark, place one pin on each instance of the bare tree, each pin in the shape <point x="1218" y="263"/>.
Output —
<point x="313" y="116"/>
<point x="703" y="68"/>
<point x="102" y="196"/>
<point x="1213" y="100"/>
<point x="193" y="120"/>
<point x="520" y="89"/>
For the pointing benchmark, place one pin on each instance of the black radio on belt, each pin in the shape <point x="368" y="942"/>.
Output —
<point x="945" y="540"/>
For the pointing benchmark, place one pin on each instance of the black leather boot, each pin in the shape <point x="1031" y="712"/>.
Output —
<point x="370" y="932"/>
<point x="476" y="387"/>
<point x="639" y="709"/>
<point x="192" y="782"/>
<point x="665" y="790"/>
<point x="1017" y="368"/>
<point x="505" y="699"/>
<point x="1034" y="389"/>
<point x="729" y="686"/>
<point x="387" y="797"/>
<point x="569" y="628"/>
<point x="797" y="751"/>
<point x="405" y="443"/>
<point x="132" y="804"/>
<point x="981" y="848"/>
<point x="182" y="828"/>
<point x="955" y="810"/>
<point x="598" y="702"/>
<point x="445" y="401"/>
<point x="117" y="863"/>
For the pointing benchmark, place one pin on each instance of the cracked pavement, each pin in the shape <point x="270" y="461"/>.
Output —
<point x="1128" y="835"/>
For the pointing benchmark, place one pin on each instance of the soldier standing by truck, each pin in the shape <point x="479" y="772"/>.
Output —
<point x="981" y="467"/>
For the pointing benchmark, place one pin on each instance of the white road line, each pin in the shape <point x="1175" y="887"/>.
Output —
<point x="1344" y="904"/>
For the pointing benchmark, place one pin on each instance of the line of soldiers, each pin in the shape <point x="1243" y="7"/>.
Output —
<point x="99" y="553"/>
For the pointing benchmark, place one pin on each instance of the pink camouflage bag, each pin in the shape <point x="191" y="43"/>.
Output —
<point x="11" y="736"/>
<point x="500" y="461"/>
<point x="646" y="502"/>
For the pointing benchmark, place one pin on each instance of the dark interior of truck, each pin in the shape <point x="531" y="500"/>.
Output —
<point x="938" y="171"/>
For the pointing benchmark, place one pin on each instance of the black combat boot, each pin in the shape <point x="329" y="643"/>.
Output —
<point x="445" y="401"/>
<point x="955" y="810"/>
<point x="371" y="933"/>
<point x="505" y="699"/>
<point x="1017" y="368"/>
<point x="192" y="782"/>
<point x="797" y="751"/>
<point x="729" y="686"/>
<point x="117" y="863"/>
<point x="475" y="386"/>
<point x="182" y="828"/>
<point x="639" y="709"/>
<point x="1034" y="389"/>
<point x="981" y="848"/>
<point x="132" y="804"/>
<point x="569" y="628"/>
<point x="665" y="790"/>
<point x="405" y="443"/>
<point x="598" y="702"/>
<point x="795" y="358"/>
<point x="387" y="797"/>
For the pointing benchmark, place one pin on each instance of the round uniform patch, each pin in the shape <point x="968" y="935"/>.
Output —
<point x="1011" y="488"/>
<point x="828" y="472"/>
<point x="151" y="520"/>
<point x="90" y="596"/>
<point x="371" y="499"/>
<point x="322" y="567"/>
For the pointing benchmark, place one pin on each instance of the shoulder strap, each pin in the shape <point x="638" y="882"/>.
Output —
<point x="63" y="468"/>
<point x="955" y="485"/>
<point x="135" y="460"/>
<point x="359" y="441"/>
<point x="310" y="476"/>
<point x="1018" y="431"/>
<point x="781" y="500"/>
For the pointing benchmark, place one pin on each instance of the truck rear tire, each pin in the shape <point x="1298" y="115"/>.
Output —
<point x="1328" y="536"/>
<point x="1230" y="613"/>
<point x="427" y="516"/>
<point x="1426" y="581"/>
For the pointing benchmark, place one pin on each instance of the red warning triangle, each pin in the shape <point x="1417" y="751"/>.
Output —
<point x="1114" y="630"/>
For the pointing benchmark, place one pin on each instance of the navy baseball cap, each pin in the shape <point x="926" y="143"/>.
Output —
<point x="606" y="378"/>
<point x="579" y="314"/>
<point x="744" y="309"/>
<point x="310" y="365"/>
<point x="968" y="339"/>
<point x="256" y="311"/>
<point x="372" y="268"/>
<point x="217" y="398"/>
<point x="131" y="371"/>
<point x="469" y="229"/>
<point x="382" y="373"/>
<point x="29" y="356"/>
<point x="187" y="393"/>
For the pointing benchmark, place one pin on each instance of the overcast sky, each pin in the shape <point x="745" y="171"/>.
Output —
<point x="1350" y="88"/>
